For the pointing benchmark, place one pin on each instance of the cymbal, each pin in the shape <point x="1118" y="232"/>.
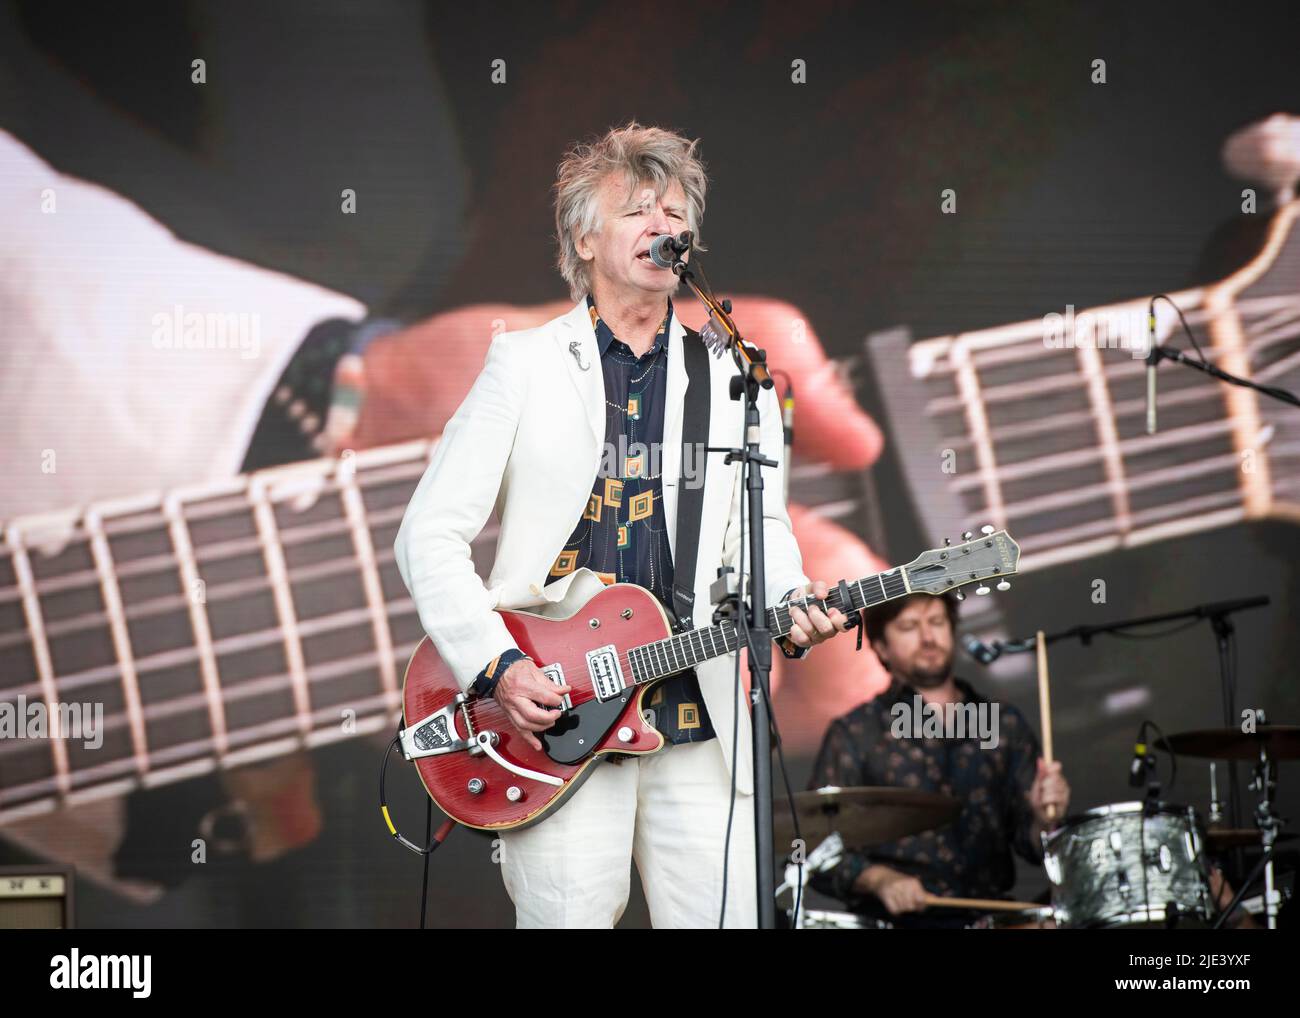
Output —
<point x="1221" y="839"/>
<point x="1282" y="742"/>
<point x="862" y="816"/>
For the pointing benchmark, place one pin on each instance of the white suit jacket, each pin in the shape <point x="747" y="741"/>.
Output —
<point x="528" y="441"/>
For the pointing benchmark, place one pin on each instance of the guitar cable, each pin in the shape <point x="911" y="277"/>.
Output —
<point x="432" y="840"/>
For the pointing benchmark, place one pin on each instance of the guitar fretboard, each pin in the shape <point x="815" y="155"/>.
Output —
<point x="674" y="654"/>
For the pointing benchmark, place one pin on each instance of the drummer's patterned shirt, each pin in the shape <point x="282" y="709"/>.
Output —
<point x="970" y="858"/>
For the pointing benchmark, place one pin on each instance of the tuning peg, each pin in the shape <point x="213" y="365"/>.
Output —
<point x="960" y="595"/>
<point x="981" y="589"/>
<point x="986" y="529"/>
<point x="1004" y="585"/>
<point x="966" y="535"/>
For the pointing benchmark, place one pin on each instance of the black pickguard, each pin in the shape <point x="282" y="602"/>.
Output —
<point x="578" y="731"/>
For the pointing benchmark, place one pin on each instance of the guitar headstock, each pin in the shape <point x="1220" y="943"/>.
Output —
<point x="988" y="559"/>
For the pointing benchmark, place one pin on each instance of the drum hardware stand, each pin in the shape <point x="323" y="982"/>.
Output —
<point x="1270" y="906"/>
<point x="1216" y="807"/>
<point x="1225" y="634"/>
<point x="1263" y="781"/>
<point x="1270" y="825"/>
<point x="825" y="856"/>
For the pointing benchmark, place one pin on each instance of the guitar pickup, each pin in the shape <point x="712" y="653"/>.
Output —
<point x="555" y="672"/>
<point x="605" y="671"/>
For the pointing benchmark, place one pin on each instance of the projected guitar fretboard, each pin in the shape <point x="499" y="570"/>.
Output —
<point x="221" y="624"/>
<point x="1047" y="437"/>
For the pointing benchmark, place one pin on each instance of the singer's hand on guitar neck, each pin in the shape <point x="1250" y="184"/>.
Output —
<point x="524" y="693"/>
<point x="813" y="626"/>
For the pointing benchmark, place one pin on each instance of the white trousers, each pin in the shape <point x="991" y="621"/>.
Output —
<point x="668" y="811"/>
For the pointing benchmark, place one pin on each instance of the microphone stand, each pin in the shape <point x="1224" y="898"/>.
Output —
<point x="1156" y="353"/>
<point x="1159" y="353"/>
<point x="751" y="365"/>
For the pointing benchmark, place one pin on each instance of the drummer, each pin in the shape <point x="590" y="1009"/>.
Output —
<point x="990" y="763"/>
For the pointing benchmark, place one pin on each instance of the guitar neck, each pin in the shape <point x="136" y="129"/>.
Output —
<point x="662" y="658"/>
<point x="988" y="559"/>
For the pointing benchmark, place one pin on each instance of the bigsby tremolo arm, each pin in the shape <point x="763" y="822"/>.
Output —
<point x="435" y="735"/>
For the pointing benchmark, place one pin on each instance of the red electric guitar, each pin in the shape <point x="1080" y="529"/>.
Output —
<point x="611" y="650"/>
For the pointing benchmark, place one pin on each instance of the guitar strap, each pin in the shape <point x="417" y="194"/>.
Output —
<point x="690" y="497"/>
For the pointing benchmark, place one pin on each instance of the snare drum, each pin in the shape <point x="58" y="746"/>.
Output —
<point x="1126" y="865"/>
<point x="816" y="919"/>
<point x="1030" y="919"/>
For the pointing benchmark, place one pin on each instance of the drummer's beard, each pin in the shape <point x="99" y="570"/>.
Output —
<point x="923" y="675"/>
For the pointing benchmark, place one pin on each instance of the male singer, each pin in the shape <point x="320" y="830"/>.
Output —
<point x="573" y="433"/>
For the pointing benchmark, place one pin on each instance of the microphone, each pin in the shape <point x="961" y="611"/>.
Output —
<point x="665" y="248"/>
<point x="787" y="426"/>
<point x="1153" y="361"/>
<point x="981" y="651"/>
<point x="1137" y="767"/>
<point x="787" y="414"/>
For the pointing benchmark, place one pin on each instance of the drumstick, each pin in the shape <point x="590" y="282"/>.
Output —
<point x="980" y="904"/>
<point x="1045" y="710"/>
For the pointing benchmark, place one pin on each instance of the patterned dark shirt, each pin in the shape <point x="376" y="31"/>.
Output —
<point x="622" y="535"/>
<point x="970" y="858"/>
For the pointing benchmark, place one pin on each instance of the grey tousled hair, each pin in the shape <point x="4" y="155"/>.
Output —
<point x="649" y="154"/>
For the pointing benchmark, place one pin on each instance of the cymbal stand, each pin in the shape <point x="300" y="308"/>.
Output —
<point x="1270" y="825"/>
<point x="1263" y="781"/>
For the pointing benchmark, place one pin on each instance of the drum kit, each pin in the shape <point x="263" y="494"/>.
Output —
<point x="1120" y="866"/>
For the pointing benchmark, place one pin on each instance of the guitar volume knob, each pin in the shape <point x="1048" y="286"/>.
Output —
<point x="476" y="786"/>
<point x="514" y="793"/>
<point x="625" y="734"/>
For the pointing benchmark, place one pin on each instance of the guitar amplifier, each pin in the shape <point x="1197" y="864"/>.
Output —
<point x="36" y="897"/>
